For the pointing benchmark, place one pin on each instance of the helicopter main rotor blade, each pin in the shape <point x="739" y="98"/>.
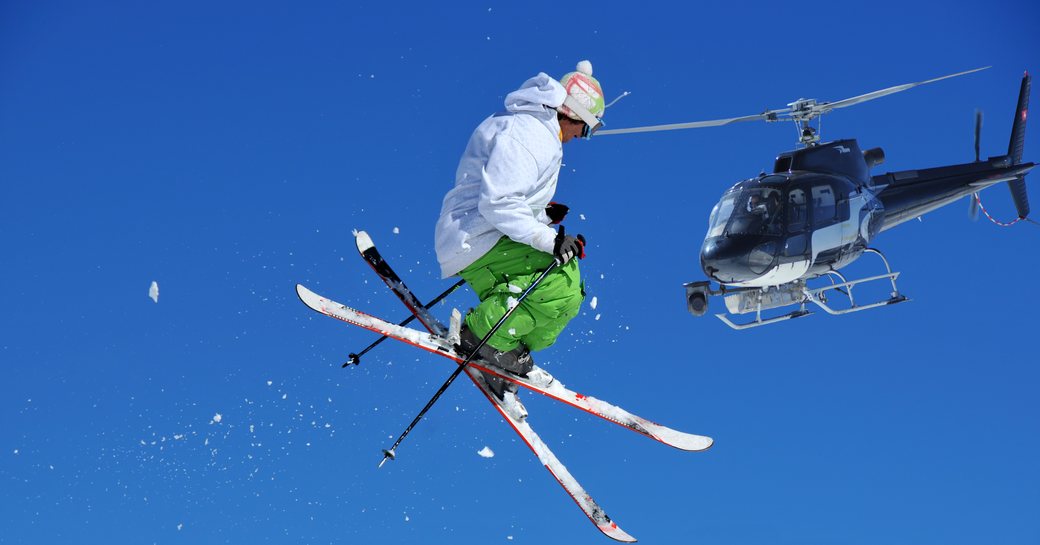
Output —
<point x="801" y="110"/>
<point x="770" y="115"/>
<point x="828" y="106"/>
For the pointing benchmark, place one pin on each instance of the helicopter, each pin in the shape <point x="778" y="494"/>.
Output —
<point x="820" y="209"/>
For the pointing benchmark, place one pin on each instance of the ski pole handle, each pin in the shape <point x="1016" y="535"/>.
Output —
<point x="355" y="358"/>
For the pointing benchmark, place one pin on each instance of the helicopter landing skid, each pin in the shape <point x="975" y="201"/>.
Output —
<point x="818" y="296"/>
<point x="797" y="293"/>
<point x="758" y="321"/>
<point x="755" y="300"/>
<point x="814" y="296"/>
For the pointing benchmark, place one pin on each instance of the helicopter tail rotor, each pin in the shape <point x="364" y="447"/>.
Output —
<point x="973" y="200"/>
<point x="1017" y="184"/>
<point x="978" y="132"/>
<point x="973" y="207"/>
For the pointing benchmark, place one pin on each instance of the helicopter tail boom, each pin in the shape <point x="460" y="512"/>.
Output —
<point x="1015" y="146"/>
<point x="911" y="193"/>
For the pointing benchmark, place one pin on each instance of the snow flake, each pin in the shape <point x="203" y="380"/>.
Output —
<point x="597" y="316"/>
<point x="397" y="231"/>
<point x="594" y="302"/>
<point x="511" y="302"/>
<point x="512" y="331"/>
<point x="270" y="382"/>
<point x="153" y="291"/>
<point x="514" y="289"/>
<point x="216" y="418"/>
<point x="486" y="452"/>
<point x="582" y="216"/>
<point x="179" y="526"/>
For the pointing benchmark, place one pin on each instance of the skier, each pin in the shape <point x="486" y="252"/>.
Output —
<point x="494" y="224"/>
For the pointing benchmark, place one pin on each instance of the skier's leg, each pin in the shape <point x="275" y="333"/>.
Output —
<point x="498" y="278"/>
<point x="501" y="275"/>
<point x="560" y="302"/>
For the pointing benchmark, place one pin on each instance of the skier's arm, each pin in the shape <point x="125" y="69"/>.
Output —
<point x="510" y="174"/>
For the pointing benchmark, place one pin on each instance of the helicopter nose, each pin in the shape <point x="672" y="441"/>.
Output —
<point x="734" y="259"/>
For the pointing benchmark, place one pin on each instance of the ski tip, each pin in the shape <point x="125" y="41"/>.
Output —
<point x="692" y="443"/>
<point x="309" y="298"/>
<point x="364" y="242"/>
<point x="613" y="531"/>
<point x="697" y="443"/>
<point x="680" y="439"/>
<point x="303" y="293"/>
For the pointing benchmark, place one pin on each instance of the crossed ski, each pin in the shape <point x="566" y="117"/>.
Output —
<point x="510" y="407"/>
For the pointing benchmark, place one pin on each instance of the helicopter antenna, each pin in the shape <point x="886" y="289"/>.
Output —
<point x="801" y="111"/>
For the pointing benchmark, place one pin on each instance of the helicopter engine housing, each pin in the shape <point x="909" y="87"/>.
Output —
<point x="874" y="157"/>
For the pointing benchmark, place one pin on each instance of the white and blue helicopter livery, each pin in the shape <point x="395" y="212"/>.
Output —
<point x="820" y="209"/>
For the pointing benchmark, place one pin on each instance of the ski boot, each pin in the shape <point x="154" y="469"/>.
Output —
<point x="517" y="361"/>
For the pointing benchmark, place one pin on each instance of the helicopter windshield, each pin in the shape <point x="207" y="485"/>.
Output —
<point x="754" y="210"/>
<point x="720" y="214"/>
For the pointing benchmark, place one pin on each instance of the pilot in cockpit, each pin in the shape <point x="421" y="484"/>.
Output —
<point x="756" y="205"/>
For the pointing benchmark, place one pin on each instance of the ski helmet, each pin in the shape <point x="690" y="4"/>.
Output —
<point x="583" y="93"/>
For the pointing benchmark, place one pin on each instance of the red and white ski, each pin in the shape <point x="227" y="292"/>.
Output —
<point x="510" y="407"/>
<point x="538" y="379"/>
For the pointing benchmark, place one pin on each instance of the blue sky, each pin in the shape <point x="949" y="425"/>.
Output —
<point x="228" y="151"/>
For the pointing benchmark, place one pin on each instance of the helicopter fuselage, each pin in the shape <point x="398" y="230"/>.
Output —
<point x="820" y="209"/>
<point x="781" y="228"/>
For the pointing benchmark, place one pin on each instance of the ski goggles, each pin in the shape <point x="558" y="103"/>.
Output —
<point x="592" y="123"/>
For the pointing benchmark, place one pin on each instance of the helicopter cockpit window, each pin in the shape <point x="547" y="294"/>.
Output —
<point x="757" y="212"/>
<point x="720" y="215"/>
<point x="824" y="209"/>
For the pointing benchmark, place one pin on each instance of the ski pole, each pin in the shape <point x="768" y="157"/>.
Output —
<point x="390" y="454"/>
<point x="356" y="358"/>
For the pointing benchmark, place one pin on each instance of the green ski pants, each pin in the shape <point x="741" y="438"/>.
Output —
<point x="502" y="275"/>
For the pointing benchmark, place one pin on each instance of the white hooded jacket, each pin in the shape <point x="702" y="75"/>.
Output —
<point x="505" y="179"/>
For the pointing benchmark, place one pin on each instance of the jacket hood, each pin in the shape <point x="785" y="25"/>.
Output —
<point x="535" y="94"/>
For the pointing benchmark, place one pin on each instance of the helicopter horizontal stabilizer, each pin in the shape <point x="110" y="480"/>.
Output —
<point x="1015" y="146"/>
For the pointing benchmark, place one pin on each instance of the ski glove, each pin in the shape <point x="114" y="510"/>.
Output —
<point x="556" y="212"/>
<point x="568" y="247"/>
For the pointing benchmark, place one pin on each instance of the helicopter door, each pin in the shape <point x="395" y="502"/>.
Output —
<point x="794" y="254"/>
<point x="850" y="225"/>
<point x="826" y="229"/>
